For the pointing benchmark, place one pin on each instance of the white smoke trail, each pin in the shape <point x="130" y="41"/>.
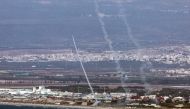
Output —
<point x="82" y="66"/>
<point x="128" y="28"/>
<point x="109" y="42"/>
<point x="135" y="42"/>
<point x="106" y="36"/>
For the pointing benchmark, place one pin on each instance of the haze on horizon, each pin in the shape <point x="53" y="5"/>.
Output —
<point x="51" y="23"/>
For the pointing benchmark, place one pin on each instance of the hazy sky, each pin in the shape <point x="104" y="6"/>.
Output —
<point x="51" y="23"/>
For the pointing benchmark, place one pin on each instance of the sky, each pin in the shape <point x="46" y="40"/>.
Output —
<point x="51" y="23"/>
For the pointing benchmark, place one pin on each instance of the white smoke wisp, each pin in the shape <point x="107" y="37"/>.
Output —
<point x="106" y="36"/>
<point x="109" y="42"/>
<point x="82" y="66"/>
<point x="136" y="43"/>
<point x="145" y="66"/>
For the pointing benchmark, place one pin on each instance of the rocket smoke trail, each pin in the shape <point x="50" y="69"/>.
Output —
<point x="135" y="42"/>
<point x="106" y="36"/>
<point x="109" y="42"/>
<point x="82" y="66"/>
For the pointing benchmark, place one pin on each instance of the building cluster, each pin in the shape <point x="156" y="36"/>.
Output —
<point x="158" y="101"/>
<point x="175" y="72"/>
<point x="47" y="96"/>
<point x="41" y="95"/>
<point x="167" y="55"/>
